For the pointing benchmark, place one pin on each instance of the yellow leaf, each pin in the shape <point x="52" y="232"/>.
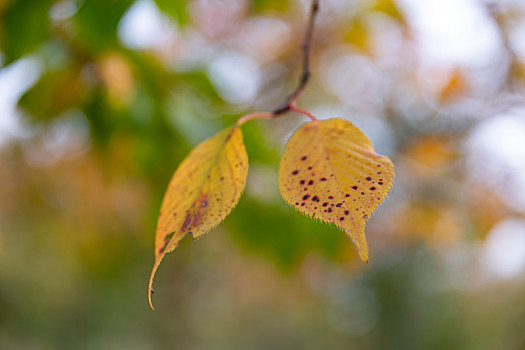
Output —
<point x="390" y="8"/>
<point x="454" y="87"/>
<point x="358" y="35"/>
<point x="330" y="171"/>
<point x="204" y="189"/>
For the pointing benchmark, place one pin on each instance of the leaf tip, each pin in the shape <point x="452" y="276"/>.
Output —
<point x="363" y="254"/>
<point x="150" y="292"/>
<point x="151" y="277"/>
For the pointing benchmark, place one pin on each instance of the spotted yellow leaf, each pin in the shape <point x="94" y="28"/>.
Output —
<point x="329" y="170"/>
<point x="204" y="189"/>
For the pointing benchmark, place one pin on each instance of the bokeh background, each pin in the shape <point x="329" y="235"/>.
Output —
<point x="101" y="99"/>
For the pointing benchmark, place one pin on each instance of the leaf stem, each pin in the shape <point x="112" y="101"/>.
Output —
<point x="252" y="116"/>
<point x="296" y="109"/>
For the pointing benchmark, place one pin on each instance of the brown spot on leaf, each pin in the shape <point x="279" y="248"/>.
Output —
<point x="295" y="172"/>
<point x="186" y="222"/>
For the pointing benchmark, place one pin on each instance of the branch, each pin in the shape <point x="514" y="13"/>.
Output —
<point x="289" y="103"/>
<point x="305" y="75"/>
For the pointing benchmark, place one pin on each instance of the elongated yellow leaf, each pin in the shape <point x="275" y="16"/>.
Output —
<point x="204" y="189"/>
<point x="330" y="171"/>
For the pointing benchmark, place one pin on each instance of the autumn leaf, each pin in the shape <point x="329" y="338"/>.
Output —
<point x="204" y="189"/>
<point x="455" y="87"/>
<point x="330" y="171"/>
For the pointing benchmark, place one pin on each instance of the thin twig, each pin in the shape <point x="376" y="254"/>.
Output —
<point x="305" y="75"/>
<point x="289" y="103"/>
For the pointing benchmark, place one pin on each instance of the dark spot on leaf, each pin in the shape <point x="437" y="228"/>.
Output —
<point x="330" y="197"/>
<point x="303" y="158"/>
<point x="354" y="187"/>
<point x="295" y="172"/>
<point x="339" y="205"/>
<point x="309" y="168"/>
<point x="341" y="218"/>
<point x="302" y="182"/>
<point x="296" y="203"/>
<point x="306" y="196"/>
<point x="315" y="208"/>
<point x="369" y="178"/>
<point x="302" y="204"/>
<point x="311" y="182"/>
<point x="329" y="210"/>
<point x="363" y="193"/>
<point x="380" y="182"/>
<point x="315" y="199"/>
<point x="187" y="221"/>
<point x="372" y="188"/>
<point x="347" y="212"/>
<point x="365" y="216"/>
<point x="347" y="195"/>
<point x="323" y="179"/>
<point x="325" y="204"/>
